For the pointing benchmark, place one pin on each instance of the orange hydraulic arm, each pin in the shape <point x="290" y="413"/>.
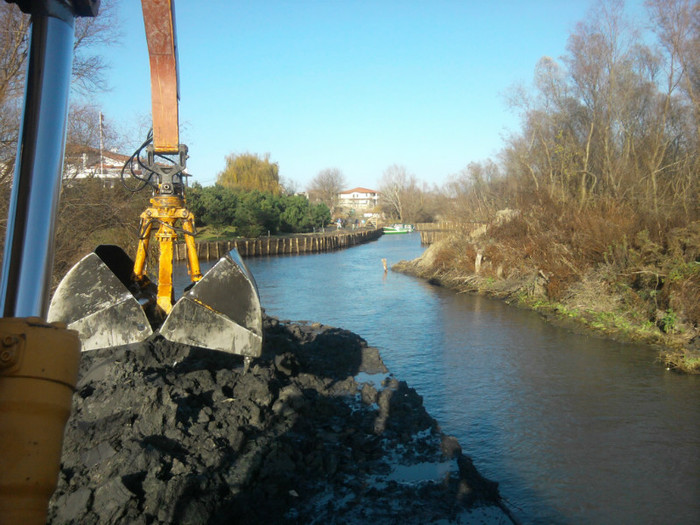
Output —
<point x="168" y="202"/>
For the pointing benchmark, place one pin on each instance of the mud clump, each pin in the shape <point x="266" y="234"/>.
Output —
<point x="316" y="430"/>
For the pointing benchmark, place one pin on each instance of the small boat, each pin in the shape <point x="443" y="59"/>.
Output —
<point x="398" y="228"/>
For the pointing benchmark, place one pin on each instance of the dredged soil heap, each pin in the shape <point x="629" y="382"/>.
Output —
<point x="315" y="431"/>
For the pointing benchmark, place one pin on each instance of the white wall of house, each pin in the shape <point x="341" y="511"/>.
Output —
<point x="358" y="199"/>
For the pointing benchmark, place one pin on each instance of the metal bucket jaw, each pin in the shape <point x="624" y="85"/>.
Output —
<point x="221" y="311"/>
<point x="94" y="301"/>
<point x="98" y="299"/>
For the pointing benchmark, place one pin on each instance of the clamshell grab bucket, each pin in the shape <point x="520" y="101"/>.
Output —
<point x="98" y="298"/>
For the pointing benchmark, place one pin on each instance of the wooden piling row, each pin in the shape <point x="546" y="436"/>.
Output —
<point x="442" y="225"/>
<point x="429" y="237"/>
<point x="292" y="245"/>
<point x="431" y="232"/>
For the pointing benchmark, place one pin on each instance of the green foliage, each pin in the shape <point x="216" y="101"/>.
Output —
<point x="299" y="215"/>
<point x="213" y="205"/>
<point x="668" y="321"/>
<point x="248" y="171"/>
<point x="253" y="213"/>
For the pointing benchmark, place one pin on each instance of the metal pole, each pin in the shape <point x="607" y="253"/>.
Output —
<point x="29" y="243"/>
<point x="102" y="147"/>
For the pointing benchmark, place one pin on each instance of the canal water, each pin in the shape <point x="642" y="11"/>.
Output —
<point x="575" y="429"/>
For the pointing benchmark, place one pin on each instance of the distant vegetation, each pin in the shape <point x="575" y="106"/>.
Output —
<point x="250" y="213"/>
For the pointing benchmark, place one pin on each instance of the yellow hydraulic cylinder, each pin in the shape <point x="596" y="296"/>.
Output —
<point x="142" y="250"/>
<point x="166" y="238"/>
<point x="38" y="373"/>
<point x="193" y="260"/>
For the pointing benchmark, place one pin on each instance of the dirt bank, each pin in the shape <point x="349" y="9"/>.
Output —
<point x="589" y="307"/>
<point x="317" y="431"/>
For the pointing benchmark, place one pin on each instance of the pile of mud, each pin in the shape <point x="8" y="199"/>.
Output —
<point x="316" y="431"/>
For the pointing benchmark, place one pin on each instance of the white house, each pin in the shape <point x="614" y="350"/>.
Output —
<point x="87" y="162"/>
<point x="358" y="199"/>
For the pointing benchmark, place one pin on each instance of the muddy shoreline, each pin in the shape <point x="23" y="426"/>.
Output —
<point x="316" y="431"/>
<point x="680" y="354"/>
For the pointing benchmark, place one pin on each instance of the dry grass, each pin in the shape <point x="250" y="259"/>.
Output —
<point x="91" y="214"/>
<point x="600" y="264"/>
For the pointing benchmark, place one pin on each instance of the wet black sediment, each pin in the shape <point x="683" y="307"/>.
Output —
<point x="166" y="433"/>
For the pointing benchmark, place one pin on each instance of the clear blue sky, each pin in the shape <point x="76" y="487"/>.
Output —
<point x="355" y="85"/>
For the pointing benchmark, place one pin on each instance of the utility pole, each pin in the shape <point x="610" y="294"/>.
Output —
<point x="102" y="170"/>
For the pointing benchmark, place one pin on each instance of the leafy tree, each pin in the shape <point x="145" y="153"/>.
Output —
<point x="253" y="213"/>
<point x="300" y="216"/>
<point x="296" y="216"/>
<point x="320" y="215"/>
<point x="249" y="171"/>
<point x="219" y="206"/>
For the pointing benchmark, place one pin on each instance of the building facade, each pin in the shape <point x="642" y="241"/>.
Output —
<point x="358" y="199"/>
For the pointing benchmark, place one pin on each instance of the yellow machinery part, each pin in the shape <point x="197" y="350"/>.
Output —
<point x="166" y="236"/>
<point x="166" y="210"/>
<point x="38" y="373"/>
<point x="192" y="259"/>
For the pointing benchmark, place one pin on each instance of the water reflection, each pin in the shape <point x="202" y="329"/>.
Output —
<point x="576" y="429"/>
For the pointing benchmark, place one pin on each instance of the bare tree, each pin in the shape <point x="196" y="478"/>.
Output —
<point x="13" y="56"/>
<point x="289" y="186"/>
<point x="88" y="67"/>
<point x="87" y="133"/>
<point x="88" y="75"/>
<point x="474" y="192"/>
<point x="401" y="196"/>
<point x="91" y="35"/>
<point x="84" y="129"/>
<point x="325" y="187"/>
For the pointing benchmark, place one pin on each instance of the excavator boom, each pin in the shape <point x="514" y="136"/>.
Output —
<point x="159" y="20"/>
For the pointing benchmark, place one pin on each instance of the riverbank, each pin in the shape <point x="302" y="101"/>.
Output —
<point x="593" y="305"/>
<point x="281" y="244"/>
<point x="317" y="430"/>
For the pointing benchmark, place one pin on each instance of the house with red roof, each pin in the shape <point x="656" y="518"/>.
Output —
<point x="358" y="199"/>
<point x="86" y="162"/>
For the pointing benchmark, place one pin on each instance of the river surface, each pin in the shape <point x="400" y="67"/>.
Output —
<point x="575" y="429"/>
